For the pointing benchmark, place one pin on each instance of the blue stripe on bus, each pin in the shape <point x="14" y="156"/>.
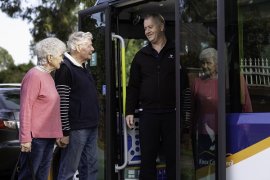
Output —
<point x="246" y="129"/>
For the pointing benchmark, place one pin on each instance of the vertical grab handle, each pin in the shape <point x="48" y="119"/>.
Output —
<point x="123" y="78"/>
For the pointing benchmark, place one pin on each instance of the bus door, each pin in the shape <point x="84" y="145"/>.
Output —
<point x="198" y="51"/>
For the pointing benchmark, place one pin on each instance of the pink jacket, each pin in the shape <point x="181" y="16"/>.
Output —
<point x="39" y="107"/>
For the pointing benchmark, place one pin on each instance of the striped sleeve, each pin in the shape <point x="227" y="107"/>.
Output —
<point x="63" y="82"/>
<point x="64" y="93"/>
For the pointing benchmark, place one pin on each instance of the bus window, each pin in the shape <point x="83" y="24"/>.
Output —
<point x="247" y="85"/>
<point x="198" y="56"/>
<point x="254" y="52"/>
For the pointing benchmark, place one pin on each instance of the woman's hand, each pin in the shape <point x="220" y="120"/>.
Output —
<point x="26" y="147"/>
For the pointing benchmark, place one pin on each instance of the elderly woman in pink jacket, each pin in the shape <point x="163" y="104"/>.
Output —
<point x="40" y="124"/>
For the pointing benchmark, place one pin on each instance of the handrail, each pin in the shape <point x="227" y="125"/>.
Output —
<point x="123" y="77"/>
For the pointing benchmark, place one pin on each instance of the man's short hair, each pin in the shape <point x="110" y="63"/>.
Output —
<point x="155" y="16"/>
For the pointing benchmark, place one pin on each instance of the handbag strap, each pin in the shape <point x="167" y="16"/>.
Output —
<point x="29" y="159"/>
<point x="15" y="170"/>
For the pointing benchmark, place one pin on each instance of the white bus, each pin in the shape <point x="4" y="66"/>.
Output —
<point x="239" y="30"/>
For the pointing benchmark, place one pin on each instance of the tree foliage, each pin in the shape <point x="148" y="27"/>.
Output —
<point x="50" y="17"/>
<point x="132" y="47"/>
<point x="5" y="59"/>
<point x="14" y="74"/>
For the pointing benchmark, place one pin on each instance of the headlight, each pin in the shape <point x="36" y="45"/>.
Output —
<point x="9" y="124"/>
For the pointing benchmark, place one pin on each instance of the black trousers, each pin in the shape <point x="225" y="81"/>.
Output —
<point x="154" y="128"/>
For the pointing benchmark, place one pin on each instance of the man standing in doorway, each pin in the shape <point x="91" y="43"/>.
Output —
<point x="152" y="88"/>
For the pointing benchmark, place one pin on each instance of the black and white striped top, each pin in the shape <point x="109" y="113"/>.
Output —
<point x="64" y="92"/>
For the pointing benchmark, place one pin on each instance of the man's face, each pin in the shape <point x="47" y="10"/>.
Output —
<point x="152" y="30"/>
<point x="209" y="66"/>
<point x="86" y="49"/>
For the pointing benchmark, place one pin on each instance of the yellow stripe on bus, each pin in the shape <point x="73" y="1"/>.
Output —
<point x="248" y="152"/>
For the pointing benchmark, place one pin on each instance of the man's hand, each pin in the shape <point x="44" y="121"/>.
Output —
<point x="130" y="121"/>
<point x="26" y="147"/>
<point x="62" y="142"/>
